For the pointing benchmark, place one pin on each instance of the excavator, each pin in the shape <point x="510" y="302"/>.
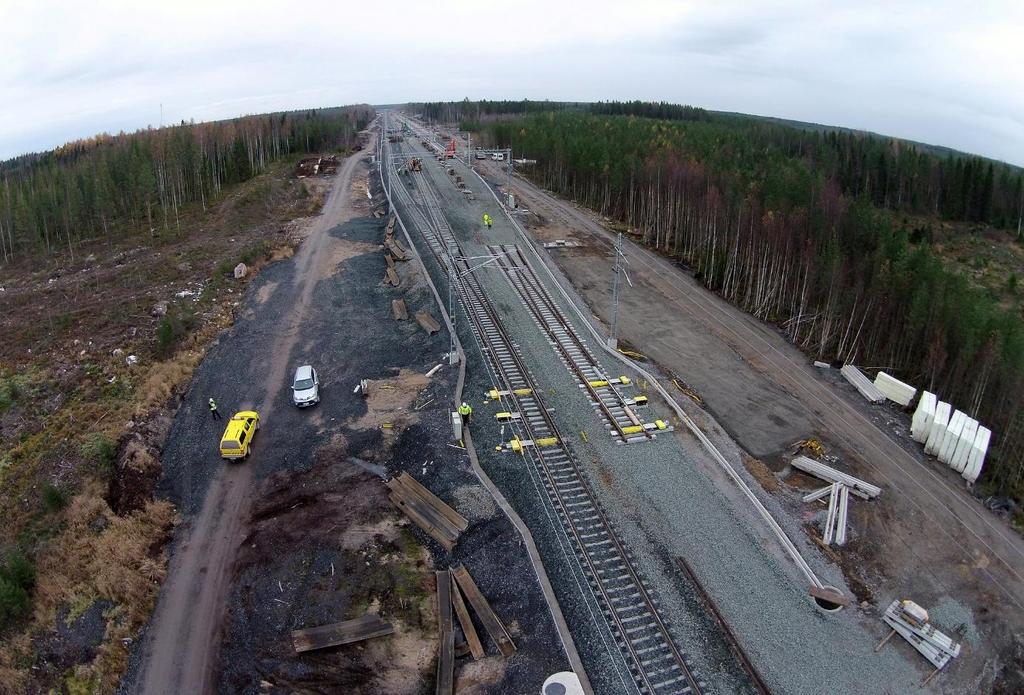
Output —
<point x="450" y="152"/>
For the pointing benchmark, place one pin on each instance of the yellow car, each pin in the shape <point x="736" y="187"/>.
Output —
<point x="238" y="434"/>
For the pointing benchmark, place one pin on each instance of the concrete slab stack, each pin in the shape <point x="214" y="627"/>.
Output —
<point x="894" y="389"/>
<point x="862" y="383"/>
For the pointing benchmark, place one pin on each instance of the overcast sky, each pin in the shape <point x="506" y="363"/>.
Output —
<point x="938" y="71"/>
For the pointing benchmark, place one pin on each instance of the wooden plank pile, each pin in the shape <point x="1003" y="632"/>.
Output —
<point x="446" y="657"/>
<point x="451" y="585"/>
<point x="495" y="628"/>
<point x="911" y="622"/>
<point x="437" y="519"/>
<point x="393" y="250"/>
<point x="336" y="634"/>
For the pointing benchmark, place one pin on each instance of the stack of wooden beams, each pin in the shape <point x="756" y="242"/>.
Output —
<point x="451" y="585"/>
<point x="441" y="522"/>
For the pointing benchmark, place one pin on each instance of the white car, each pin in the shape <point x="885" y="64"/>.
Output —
<point x="305" y="387"/>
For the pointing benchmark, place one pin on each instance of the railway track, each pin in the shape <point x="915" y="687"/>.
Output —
<point x="618" y="411"/>
<point x="656" y="664"/>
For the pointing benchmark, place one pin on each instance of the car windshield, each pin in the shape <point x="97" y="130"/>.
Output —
<point x="303" y="384"/>
<point x="229" y="444"/>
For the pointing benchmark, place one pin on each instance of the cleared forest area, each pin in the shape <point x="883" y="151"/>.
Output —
<point x="837" y="237"/>
<point x="104" y="320"/>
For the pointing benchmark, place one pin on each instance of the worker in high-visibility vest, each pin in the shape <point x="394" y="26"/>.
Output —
<point x="487" y="220"/>
<point x="213" y="410"/>
<point x="466" y="411"/>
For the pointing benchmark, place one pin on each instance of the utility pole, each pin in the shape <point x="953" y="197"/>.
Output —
<point x="613" y="341"/>
<point x="508" y="173"/>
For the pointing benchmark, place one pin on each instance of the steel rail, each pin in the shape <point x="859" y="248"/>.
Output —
<point x="520" y="276"/>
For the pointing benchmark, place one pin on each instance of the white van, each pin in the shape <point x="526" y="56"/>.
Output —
<point x="305" y="387"/>
<point x="498" y="156"/>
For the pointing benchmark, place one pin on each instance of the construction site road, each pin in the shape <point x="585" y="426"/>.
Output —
<point x="181" y="642"/>
<point x="931" y="536"/>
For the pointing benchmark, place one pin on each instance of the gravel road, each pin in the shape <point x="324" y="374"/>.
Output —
<point x="181" y="643"/>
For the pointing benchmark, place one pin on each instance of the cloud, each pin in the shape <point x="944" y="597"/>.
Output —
<point x="928" y="71"/>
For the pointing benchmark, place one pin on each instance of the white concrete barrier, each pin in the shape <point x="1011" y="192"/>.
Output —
<point x="921" y="424"/>
<point x="976" y="459"/>
<point x="963" y="445"/>
<point x="951" y="436"/>
<point x="938" y="428"/>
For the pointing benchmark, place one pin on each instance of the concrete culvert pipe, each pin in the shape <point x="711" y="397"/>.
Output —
<point x="827" y="605"/>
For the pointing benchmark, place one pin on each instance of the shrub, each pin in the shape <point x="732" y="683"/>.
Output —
<point x="172" y="328"/>
<point x="19" y="569"/>
<point x="17" y="577"/>
<point x="54" y="498"/>
<point x="13" y="600"/>
<point x="259" y="251"/>
<point x="225" y="267"/>
<point x="165" y="336"/>
<point x="15" y="388"/>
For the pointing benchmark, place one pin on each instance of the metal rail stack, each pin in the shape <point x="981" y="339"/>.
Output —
<point x="618" y="411"/>
<point x="656" y="664"/>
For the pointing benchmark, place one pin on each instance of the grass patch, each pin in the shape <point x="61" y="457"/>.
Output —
<point x="100" y="555"/>
<point x="99" y="451"/>
<point x="18" y="388"/>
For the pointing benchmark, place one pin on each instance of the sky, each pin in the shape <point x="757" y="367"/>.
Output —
<point x="938" y="71"/>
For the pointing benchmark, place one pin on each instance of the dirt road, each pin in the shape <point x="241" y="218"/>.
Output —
<point x="930" y="536"/>
<point x="181" y="643"/>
